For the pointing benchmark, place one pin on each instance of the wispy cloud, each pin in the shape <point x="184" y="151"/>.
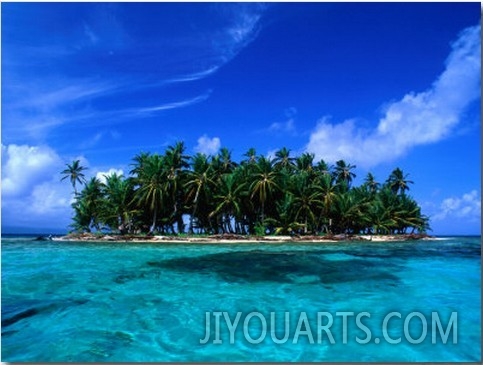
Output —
<point x="76" y="91"/>
<point x="168" y="106"/>
<point x="193" y="76"/>
<point x="416" y="119"/>
<point x="243" y="26"/>
<point x="90" y="34"/>
<point x="282" y="127"/>
<point x="44" y="93"/>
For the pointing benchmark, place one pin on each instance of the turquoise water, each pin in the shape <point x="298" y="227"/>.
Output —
<point x="118" y="302"/>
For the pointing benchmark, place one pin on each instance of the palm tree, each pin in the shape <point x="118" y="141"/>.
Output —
<point x="74" y="173"/>
<point x="305" y="162"/>
<point x="176" y="163"/>
<point x="398" y="182"/>
<point x="82" y="217"/>
<point x="91" y="198"/>
<point x="140" y="161"/>
<point x="151" y="191"/>
<point x="323" y="168"/>
<point x="306" y="198"/>
<point x="264" y="183"/>
<point x="349" y="212"/>
<point x="328" y="192"/>
<point x="343" y="173"/>
<point x="228" y="201"/>
<point x="380" y="218"/>
<point x="371" y="183"/>
<point x="118" y="194"/>
<point x="251" y="156"/>
<point x="283" y="161"/>
<point x="198" y="184"/>
<point x="284" y="222"/>
<point x="223" y="162"/>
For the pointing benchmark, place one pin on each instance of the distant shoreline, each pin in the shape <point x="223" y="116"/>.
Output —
<point x="233" y="239"/>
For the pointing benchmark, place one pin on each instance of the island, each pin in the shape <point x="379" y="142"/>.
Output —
<point x="176" y="197"/>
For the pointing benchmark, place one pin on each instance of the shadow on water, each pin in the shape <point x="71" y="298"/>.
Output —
<point x="280" y="267"/>
<point x="368" y="262"/>
<point x="20" y="310"/>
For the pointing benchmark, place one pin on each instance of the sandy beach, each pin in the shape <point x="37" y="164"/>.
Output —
<point x="234" y="239"/>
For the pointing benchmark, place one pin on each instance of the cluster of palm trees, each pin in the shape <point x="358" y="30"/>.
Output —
<point x="259" y="195"/>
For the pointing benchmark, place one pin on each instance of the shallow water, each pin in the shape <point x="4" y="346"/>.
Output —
<point x="147" y="302"/>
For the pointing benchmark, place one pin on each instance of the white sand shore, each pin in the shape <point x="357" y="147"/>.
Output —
<point x="234" y="239"/>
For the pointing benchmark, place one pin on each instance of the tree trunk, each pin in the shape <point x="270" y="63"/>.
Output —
<point x="151" y="230"/>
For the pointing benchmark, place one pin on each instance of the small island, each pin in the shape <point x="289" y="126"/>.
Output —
<point x="174" y="197"/>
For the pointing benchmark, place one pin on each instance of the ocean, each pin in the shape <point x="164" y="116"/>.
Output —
<point x="151" y="302"/>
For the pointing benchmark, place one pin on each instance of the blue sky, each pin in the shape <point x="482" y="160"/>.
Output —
<point x="380" y="85"/>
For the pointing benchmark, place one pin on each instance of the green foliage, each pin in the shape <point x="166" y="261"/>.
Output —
<point x="286" y="195"/>
<point x="74" y="173"/>
<point x="260" y="229"/>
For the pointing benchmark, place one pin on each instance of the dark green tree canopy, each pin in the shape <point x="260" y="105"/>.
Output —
<point x="286" y="195"/>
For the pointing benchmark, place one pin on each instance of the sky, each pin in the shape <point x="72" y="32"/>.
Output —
<point x="380" y="85"/>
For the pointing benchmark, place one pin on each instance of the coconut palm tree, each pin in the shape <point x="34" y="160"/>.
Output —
<point x="328" y="190"/>
<point x="82" y="217"/>
<point x="176" y="163"/>
<point x="323" y="168"/>
<point x="228" y="201"/>
<point x="380" y="219"/>
<point x="264" y="183"/>
<point x="398" y="182"/>
<point x="305" y="162"/>
<point x="306" y="200"/>
<point x="223" y="163"/>
<point x="251" y="156"/>
<point x="75" y="174"/>
<point x="140" y="161"/>
<point x="349" y="212"/>
<point x="151" y="190"/>
<point x="284" y="222"/>
<point x="283" y="161"/>
<point x="119" y="209"/>
<point x="91" y="198"/>
<point x="371" y="183"/>
<point x="198" y="184"/>
<point x="343" y="173"/>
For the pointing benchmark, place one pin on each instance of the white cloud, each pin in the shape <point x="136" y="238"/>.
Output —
<point x="208" y="146"/>
<point x="50" y="198"/>
<point x="101" y="175"/>
<point x="416" y="119"/>
<point x="26" y="166"/>
<point x="32" y="193"/>
<point x="467" y="206"/>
